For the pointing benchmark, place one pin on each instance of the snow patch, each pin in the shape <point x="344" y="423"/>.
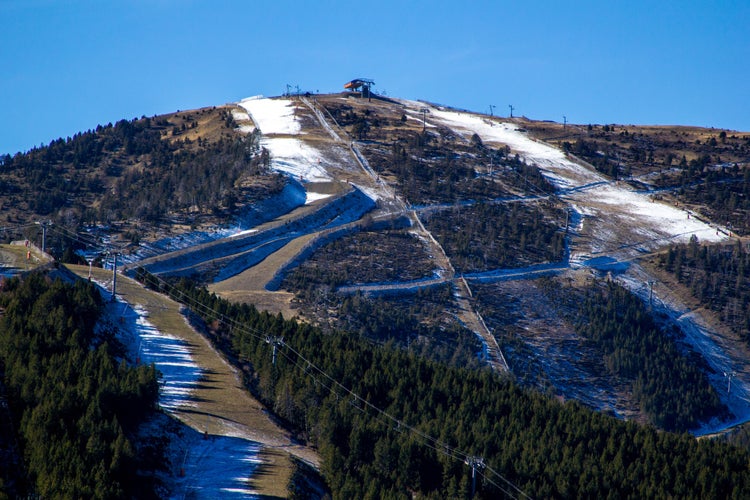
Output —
<point x="374" y="194"/>
<point x="243" y="233"/>
<point x="659" y="217"/>
<point x="245" y="129"/>
<point x="207" y="466"/>
<point x="240" y="116"/>
<point x="245" y="124"/>
<point x="272" y="116"/>
<point x="590" y="191"/>
<point x="296" y="158"/>
<point x="311" y="197"/>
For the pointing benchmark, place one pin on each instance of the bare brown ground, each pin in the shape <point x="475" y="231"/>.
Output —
<point x="14" y="256"/>
<point x="221" y="405"/>
<point x="210" y="123"/>
<point x="249" y="286"/>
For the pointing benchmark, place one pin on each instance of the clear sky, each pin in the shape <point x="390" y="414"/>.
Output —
<point x="68" y="65"/>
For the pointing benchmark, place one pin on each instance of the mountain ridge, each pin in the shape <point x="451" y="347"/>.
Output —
<point x="454" y="210"/>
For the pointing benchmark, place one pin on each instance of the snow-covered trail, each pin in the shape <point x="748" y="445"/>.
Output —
<point x="210" y="466"/>
<point x="216" y="467"/>
<point x="283" y="138"/>
<point x="614" y="224"/>
<point x="726" y="356"/>
<point x="607" y="205"/>
<point x="204" y="394"/>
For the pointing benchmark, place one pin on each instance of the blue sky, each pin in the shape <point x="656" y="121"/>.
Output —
<point x="66" y="66"/>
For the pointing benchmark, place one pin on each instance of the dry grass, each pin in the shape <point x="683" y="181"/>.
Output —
<point x="14" y="256"/>
<point x="661" y="139"/>
<point x="210" y="124"/>
<point x="221" y="405"/>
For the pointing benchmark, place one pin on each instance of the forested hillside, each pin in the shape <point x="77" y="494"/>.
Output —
<point x="436" y="166"/>
<point x="429" y="342"/>
<point x="75" y="403"/>
<point x="184" y="167"/>
<point x="391" y="424"/>
<point x="671" y="387"/>
<point x="487" y="236"/>
<point x="718" y="276"/>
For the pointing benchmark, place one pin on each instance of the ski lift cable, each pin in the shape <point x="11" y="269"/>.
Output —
<point x="73" y="235"/>
<point x="335" y="387"/>
<point x="506" y="481"/>
<point x="506" y="492"/>
<point x="334" y="384"/>
<point x="305" y="365"/>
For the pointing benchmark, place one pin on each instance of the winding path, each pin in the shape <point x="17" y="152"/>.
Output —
<point x="219" y="404"/>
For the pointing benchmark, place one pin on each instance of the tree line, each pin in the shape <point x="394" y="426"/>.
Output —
<point x="486" y="236"/>
<point x="75" y="403"/>
<point x="718" y="276"/>
<point x="671" y="387"/>
<point x="438" y="166"/>
<point x="137" y="169"/>
<point x="363" y="257"/>
<point x="724" y="192"/>
<point x="545" y="448"/>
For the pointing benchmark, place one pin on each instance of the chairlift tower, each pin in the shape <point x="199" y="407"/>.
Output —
<point x="45" y="224"/>
<point x="114" y="254"/>
<point x="729" y="376"/>
<point x="275" y="342"/>
<point x="651" y="284"/>
<point x="424" y="112"/>
<point x="475" y="463"/>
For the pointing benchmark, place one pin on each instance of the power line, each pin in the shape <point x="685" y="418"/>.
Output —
<point x="329" y="383"/>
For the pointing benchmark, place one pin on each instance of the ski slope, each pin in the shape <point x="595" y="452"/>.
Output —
<point x="614" y="224"/>
<point x="602" y="199"/>
<point x="204" y="467"/>
<point x="278" y="122"/>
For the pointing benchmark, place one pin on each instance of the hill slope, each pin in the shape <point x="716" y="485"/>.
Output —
<point x="456" y="236"/>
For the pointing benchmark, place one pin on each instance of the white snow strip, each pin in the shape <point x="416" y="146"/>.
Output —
<point x="272" y="116"/>
<point x="311" y="197"/>
<point x="655" y="220"/>
<point x="245" y="124"/>
<point x="658" y="217"/>
<point x="243" y="233"/>
<point x="216" y="467"/>
<point x="568" y="173"/>
<point x="296" y="158"/>
<point x="171" y="356"/>
<point x="374" y="194"/>
<point x="212" y="466"/>
<point x="240" y="116"/>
